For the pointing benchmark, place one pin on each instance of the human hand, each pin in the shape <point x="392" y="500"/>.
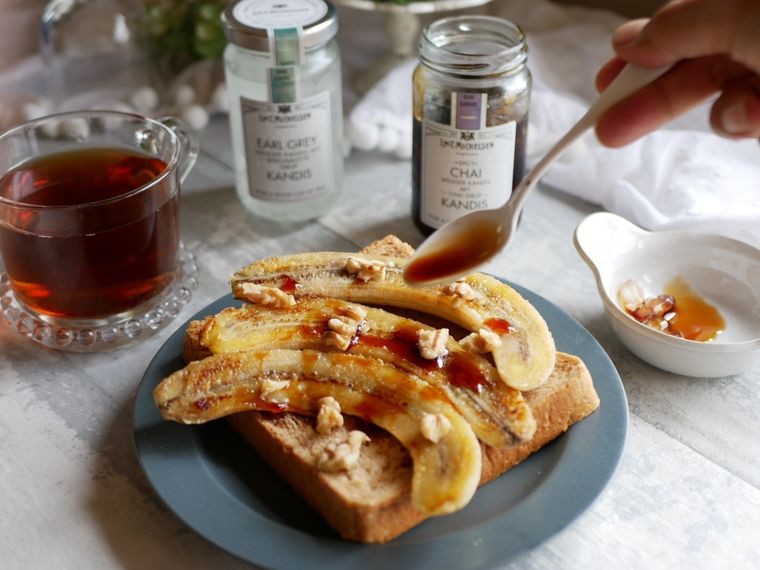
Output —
<point x="714" y="47"/>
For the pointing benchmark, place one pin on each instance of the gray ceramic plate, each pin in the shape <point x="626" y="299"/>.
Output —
<point x="218" y="486"/>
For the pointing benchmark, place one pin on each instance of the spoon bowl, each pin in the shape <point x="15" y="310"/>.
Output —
<point x="460" y="246"/>
<point x="467" y="242"/>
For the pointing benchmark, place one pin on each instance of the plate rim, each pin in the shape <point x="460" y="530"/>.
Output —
<point x="340" y="553"/>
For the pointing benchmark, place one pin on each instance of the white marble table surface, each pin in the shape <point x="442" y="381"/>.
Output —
<point x="72" y="495"/>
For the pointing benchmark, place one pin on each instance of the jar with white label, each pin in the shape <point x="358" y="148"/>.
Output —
<point x="282" y="68"/>
<point x="471" y="100"/>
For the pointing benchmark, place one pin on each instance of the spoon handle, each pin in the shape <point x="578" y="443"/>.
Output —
<point x="629" y="80"/>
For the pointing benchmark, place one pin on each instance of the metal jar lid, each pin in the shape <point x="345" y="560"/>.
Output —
<point x="247" y="22"/>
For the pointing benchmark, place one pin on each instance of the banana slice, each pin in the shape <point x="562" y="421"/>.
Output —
<point x="445" y="474"/>
<point x="497" y="413"/>
<point x="524" y="357"/>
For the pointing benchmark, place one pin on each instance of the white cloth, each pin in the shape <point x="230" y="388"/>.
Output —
<point x="681" y="177"/>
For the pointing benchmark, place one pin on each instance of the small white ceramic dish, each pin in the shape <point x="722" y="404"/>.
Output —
<point x="725" y="272"/>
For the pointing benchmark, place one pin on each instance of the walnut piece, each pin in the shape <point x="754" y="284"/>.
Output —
<point x="366" y="270"/>
<point x="263" y="295"/>
<point x="353" y="312"/>
<point x="432" y="343"/>
<point x="460" y="289"/>
<point x="484" y="340"/>
<point x="269" y="387"/>
<point x="342" y="326"/>
<point x="345" y="455"/>
<point x="338" y="341"/>
<point x="435" y="427"/>
<point x="329" y="416"/>
<point x="342" y="331"/>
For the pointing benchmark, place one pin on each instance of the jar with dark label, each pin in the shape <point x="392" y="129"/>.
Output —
<point x="471" y="100"/>
<point x="282" y="67"/>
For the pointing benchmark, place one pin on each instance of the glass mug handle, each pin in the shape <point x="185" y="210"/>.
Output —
<point x="188" y="152"/>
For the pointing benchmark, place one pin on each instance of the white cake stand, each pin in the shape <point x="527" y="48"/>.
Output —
<point x="402" y="26"/>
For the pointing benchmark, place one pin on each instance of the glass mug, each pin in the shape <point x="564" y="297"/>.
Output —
<point x="89" y="216"/>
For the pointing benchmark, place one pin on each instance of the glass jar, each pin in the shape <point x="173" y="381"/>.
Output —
<point x="282" y="68"/>
<point x="471" y="100"/>
<point x="91" y="52"/>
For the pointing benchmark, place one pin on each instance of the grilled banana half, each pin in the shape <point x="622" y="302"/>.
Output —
<point x="498" y="414"/>
<point x="446" y="462"/>
<point x="506" y="324"/>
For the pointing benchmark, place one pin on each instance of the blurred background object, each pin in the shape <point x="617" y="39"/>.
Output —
<point x="153" y="57"/>
<point x="183" y="41"/>
<point x="402" y="27"/>
<point x="163" y="55"/>
<point x="19" y="22"/>
<point x="630" y="8"/>
<point x="82" y="39"/>
<point x="178" y="33"/>
<point x="89" y="46"/>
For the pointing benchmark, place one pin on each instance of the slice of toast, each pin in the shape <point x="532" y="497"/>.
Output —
<point x="371" y="502"/>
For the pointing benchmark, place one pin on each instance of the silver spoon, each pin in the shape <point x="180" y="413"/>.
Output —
<point x="467" y="242"/>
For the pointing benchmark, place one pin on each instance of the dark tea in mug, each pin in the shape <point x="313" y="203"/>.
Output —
<point x="82" y="241"/>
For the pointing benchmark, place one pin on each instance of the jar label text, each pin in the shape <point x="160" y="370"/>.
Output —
<point x="288" y="149"/>
<point x="464" y="170"/>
